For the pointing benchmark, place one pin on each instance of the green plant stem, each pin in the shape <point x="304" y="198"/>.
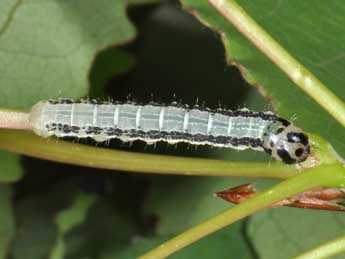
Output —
<point x="326" y="250"/>
<point x="303" y="78"/>
<point x="26" y="143"/>
<point x="326" y="175"/>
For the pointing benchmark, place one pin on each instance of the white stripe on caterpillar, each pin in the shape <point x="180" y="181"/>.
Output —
<point x="185" y="121"/>
<point x="116" y="116"/>
<point x="137" y="118"/>
<point x="161" y="118"/>
<point x="209" y="123"/>
<point x="152" y="122"/>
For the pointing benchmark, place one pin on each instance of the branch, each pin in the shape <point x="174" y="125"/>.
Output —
<point x="326" y="250"/>
<point x="325" y="176"/>
<point x="97" y="157"/>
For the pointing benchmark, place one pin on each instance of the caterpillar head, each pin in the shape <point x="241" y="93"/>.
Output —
<point x="289" y="144"/>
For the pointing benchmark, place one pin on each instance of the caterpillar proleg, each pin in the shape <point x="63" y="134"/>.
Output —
<point x="240" y="129"/>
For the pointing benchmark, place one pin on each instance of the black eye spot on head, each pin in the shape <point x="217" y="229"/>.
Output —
<point x="297" y="137"/>
<point x="285" y="157"/>
<point x="299" y="152"/>
<point x="279" y="131"/>
<point x="284" y="122"/>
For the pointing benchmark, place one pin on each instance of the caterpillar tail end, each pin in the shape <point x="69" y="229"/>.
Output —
<point x="36" y="119"/>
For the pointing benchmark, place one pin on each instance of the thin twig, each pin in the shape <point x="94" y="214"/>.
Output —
<point x="326" y="250"/>
<point x="325" y="175"/>
<point x="97" y="157"/>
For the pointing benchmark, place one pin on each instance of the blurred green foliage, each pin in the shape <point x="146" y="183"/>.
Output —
<point x="76" y="48"/>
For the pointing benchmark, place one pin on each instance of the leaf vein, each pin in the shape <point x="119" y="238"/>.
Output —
<point x="9" y="19"/>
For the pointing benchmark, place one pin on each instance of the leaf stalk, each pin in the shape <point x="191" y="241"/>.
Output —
<point x="322" y="176"/>
<point x="299" y="74"/>
<point x="326" y="250"/>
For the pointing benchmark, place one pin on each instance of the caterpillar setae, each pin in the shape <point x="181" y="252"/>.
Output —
<point x="152" y="122"/>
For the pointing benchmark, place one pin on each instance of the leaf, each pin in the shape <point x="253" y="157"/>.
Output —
<point x="46" y="48"/>
<point x="10" y="167"/>
<point x="55" y="218"/>
<point x="104" y="227"/>
<point x="109" y="63"/>
<point x="35" y="211"/>
<point x="140" y="246"/>
<point x="220" y="245"/>
<point x="179" y="203"/>
<point x="7" y="227"/>
<point x="140" y="2"/>
<point x="69" y="218"/>
<point x="314" y="38"/>
<point x="37" y="231"/>
<point x="286" y="232"/>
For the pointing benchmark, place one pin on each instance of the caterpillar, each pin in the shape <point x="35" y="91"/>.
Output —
<point x="152" y="122"/>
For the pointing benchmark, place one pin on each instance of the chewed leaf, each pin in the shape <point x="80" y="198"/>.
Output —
<point x="47" y="48"/>
<point x="313" y="38"/>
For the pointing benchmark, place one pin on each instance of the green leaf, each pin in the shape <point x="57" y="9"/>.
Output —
<point x="46" y="48"/>
<point x="10" y="167"/>
<point x="179" y="203"/>
<point x="140" y="2"/>
<point x="36" y="230"/>
<point x="140" y="246"/>
<point x="69" y="218"/>
<point x="314" y="38"/>
<point x="104" y="227"/>
<point x="109" y="63"/>
<point x="7" y="227"/>
<point x="283" y="233"/>
<point x="35" y="212"/>
<point x="292" y="186"/>
<point x="222" y="244"/>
